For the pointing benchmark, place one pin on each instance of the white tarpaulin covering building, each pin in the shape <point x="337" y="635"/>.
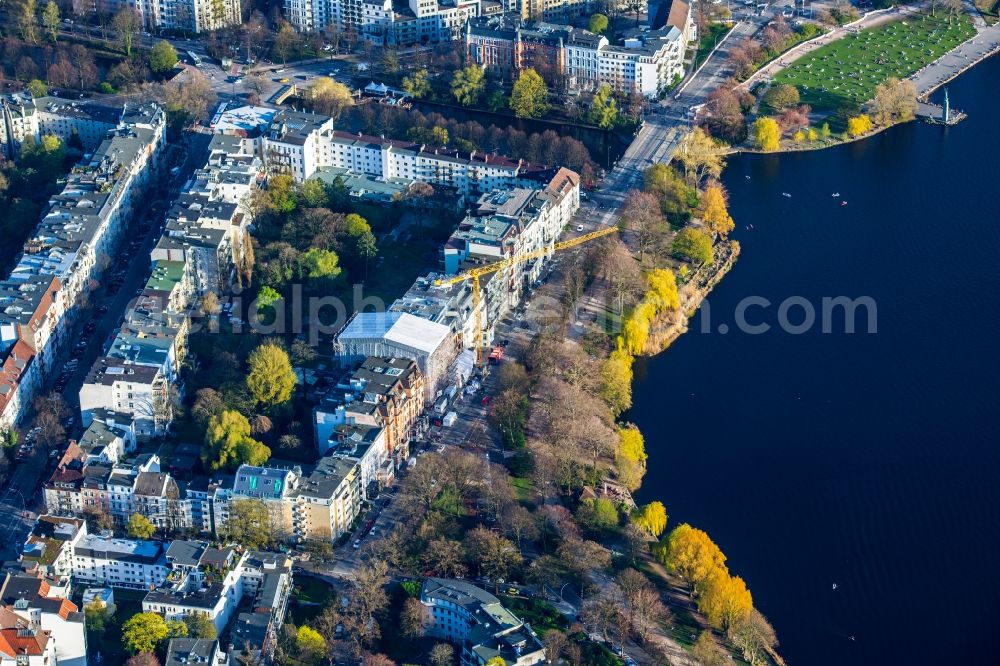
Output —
<point x="399" y="334"/>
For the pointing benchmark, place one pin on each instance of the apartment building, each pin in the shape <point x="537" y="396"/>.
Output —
<point x="300" y="143"/>
<point x="30" y="311"/>
<point x="19" y="122"/>
<point x="130" y="563"/>
<point x="49" y="545"/>
<point x="19" y="380"/>
<point x="186" y="651"/>
<point x="65" y="254"/>
<point x="79" y="488"/>
<point x="88" y="121"/>
<point x="387" y="394"/>
<point x="201" y="232"/>
<point x="180" y="578"/>
<point x="188" y="15"/>
<point x="476" y="621"/>
<point x="202" y="580"/>
<point x="383" y="22"/>
<point x="327" y="500"/>
<point x="648" y="62"/>
<point x="121" y="386"/>
<point x="39" y="625"/>
<point x="399" y="335"/>
<point x="108" y="438"/>
<point x="317" y="504"/>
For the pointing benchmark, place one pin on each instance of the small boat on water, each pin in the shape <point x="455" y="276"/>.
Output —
<point x="835" y="194"/>
<point x="786" y="194"/>
<point x="843" y="203"/>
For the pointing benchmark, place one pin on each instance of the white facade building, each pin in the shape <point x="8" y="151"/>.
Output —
<point x="129" y="563"/>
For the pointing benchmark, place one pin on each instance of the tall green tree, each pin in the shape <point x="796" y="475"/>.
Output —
<point x="468" y="84"/>
<point x="694" y="245"/>
<point x="162" y="57"/>
<point x="319" y="264"/>
<point x="50" y="19"/>
<point x="28" y="20"/>
<point x="271" y="379"/>
<point x="228" y="443"/>
<point x="310" y="644"/>
<point x="139" y="527"/>
<point x="530" y="96"/>
<point x="417" y="84"/>
<point x="604" y="108"/>
<point x="199" y="625"/>
<point x="37" y="88"/>
<point x="143" y="632"/>
<point x="598" y="24"/>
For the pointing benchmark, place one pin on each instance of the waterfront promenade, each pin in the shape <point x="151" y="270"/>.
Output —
<point x="985" y="43"/>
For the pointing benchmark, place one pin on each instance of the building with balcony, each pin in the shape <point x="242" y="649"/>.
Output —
<point x="476" y="621"/>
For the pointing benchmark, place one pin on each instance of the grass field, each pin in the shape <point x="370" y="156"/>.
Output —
<point x="845" y="73"/>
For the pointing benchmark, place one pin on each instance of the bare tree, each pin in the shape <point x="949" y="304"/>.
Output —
<point x="51" y="409"/>
<point x="622" y="273"/>
<point x="640" y="214"/>
<point x="367" y="601"/>
<point x="127" y="24"/>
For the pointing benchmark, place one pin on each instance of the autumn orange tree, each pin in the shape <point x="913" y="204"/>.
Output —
<point x="691" y="554"/>
<point x="725" y="600"/>
<point x="715" y="215"/>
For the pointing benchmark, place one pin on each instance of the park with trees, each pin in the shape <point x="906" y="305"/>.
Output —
<point x="843" y="90"/>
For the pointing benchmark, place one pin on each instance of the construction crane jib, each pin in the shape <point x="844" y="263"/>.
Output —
<point x="475" y="273"/>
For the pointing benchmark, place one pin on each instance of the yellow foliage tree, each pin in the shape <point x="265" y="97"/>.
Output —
<point x="692" y="555"/>
<point x="799" y="136"/>
<point x="716" y="216"/>
<point x="766" y="134"/>
<point x="635" y="332"/>
<point x="651" y="518"/>
<point x="616" y="381"/>
<point x="858" y="125"/>
<point x="271" y="379"/>
<point x="813" y="134"/>
<point x="630" y="459"/>
<point x="662" y="290"/>
<point x="725" y="600"/>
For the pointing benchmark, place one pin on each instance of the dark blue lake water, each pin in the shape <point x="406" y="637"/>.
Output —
<point x="865" y="460"/>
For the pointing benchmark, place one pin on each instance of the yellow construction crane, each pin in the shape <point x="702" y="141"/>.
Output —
<point x="475" y="273"/>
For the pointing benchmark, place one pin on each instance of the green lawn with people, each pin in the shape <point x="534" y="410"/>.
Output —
<point x="845" y="73"/>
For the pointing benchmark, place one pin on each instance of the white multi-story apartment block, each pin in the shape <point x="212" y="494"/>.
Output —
<point x="138" y="390"/>
<point x="475" y="620"/>
<point x="131" y="563"/>
<point x="420" y="22"/>
<point x="648" y="63"/>
<point x="301" y="143"/>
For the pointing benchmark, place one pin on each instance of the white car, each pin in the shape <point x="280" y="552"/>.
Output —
<point x="579" y="227"/>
